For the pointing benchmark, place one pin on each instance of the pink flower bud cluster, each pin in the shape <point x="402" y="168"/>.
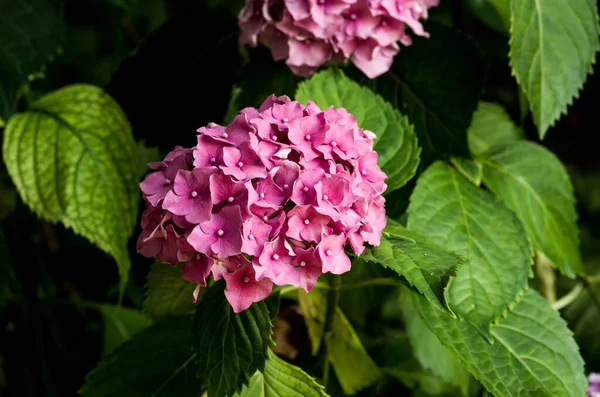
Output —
<point x="273" y="197"/>
<point x="308" y="33"/>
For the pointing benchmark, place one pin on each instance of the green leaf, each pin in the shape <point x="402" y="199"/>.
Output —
<point x="533" y="352"/>
<point x="353" y="366"/>
<point x="156" y="362"/>
<point x="281" y="379"/>
<point x="436" y="82"/>
<point x="503" y="9"/>
<point x="552" y="49"/>
<point x="489" y="15"/>
<point x="120" y="324"/>
<point x="425" y="265"/>
<point x="167" y="293"/>
<point x="462" y="218"/>
<point x="30" y="32"/>
<point x="73" y="159"/>
<point x="430" y="352"/>
<point x="532" y="182"/>
<point x="396" y="142"/>
<point x="491" y="125"/>
<point x="472" y="170"/>
<point x="229" y="347"/>
<point x="313" y="306"/>
<point x="147" y="154"/>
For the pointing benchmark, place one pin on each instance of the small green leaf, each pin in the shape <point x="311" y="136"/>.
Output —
<point x="281" y="379"/>
<point x="552" y="49"/>
<point x="167" y="293"/>
<point x="229" y="347"/>
<point x="120" y="324"/>
<point x="313" y="305"/>
<point x="532" y="351"/>
<point x="156" y="362"/>
<point x="430" y="352"/>
<point x="425" y="265"/>
<point x="436" y="82"/>
<point x="146" y="155"/>
<point x="491" y="125"/>
<point x="472" y="170"/>
<point x="396" y="142"/>
<point x="462" y="218"/>
<point x="533" y="183"/>
<point x="30" y="32"/>
<point x="73" y="159"/>
<point x="353" y="366"/>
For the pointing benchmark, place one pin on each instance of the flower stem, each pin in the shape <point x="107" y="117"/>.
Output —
<point x="569" y="298"/>
<point x="545" y="277"/>
<point x="333" y="298"/>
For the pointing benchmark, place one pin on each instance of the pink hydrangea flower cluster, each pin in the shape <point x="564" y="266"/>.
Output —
<point x="273" y="197"/>
<point x="308" y="33"/>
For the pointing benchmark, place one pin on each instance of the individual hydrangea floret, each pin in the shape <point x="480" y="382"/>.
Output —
<point x="593" y="389"/>
<point x="308" y="33"/>
<point x="272" y="198"/>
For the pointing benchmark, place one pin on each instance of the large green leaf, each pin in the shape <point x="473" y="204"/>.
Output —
<point x="281" y="379"/>
<point x="533" y="183"/>
<point x="533" y="352"/>
<point x="120" y="324"/>
<point x="491" y="125"/>
<point x="552" y="48"/>
<point x="462" y="218"/>
<point x="423" y="264"/>
<point x="167" y="293"/>
<point x="396" y="142"/>
<point x="430" y="352"/>
<point x="30" y="32"/>
<point x="229" y="347"/>
<point x="353" y="366"/>
<point x="74" y="160"/>
<point x="156" y="362"/>
<point x="436" y="82"/>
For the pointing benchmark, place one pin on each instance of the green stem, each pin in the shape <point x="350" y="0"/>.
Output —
<point x="545" y="277"/>
<point x="595" y="279"/>
<point x="569" y="298"/>
<point x="372" y="282"/>
<point x="333" y="299"/>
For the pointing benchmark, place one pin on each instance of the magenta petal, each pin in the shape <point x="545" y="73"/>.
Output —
<point x="242" y="289"/>
<point x="331" y="252"/>
<point x="197" y="269"/>
<point x="201" y="241"/>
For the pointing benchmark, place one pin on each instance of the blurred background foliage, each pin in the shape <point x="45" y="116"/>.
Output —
<point x="171" y="65"/>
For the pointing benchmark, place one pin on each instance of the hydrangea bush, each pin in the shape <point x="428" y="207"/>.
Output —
<point x="273" y="197"/>
<point x="309" y="33"/>
<point x="371" y="217"/>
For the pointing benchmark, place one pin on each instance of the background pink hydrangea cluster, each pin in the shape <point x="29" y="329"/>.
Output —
<point x="308" y="33"/>
<point x="273" y="197"/>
